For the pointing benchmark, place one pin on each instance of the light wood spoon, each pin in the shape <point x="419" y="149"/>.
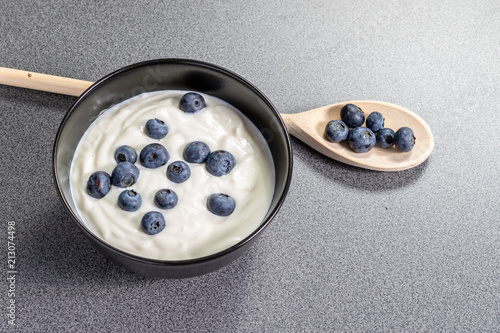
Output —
<point x="308" y="126"/>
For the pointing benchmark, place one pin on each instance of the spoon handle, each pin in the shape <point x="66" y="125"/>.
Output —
<point x="299" y="125"/>
<point x="289" y="120"/>
<point x="43" y="82"/>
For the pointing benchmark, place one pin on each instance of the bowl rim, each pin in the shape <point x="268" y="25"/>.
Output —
<point x="181" y="262"/>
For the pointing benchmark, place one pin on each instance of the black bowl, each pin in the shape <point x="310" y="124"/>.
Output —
<point x="173" y="74"/>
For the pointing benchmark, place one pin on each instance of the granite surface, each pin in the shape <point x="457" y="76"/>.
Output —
<point x="351" y="250"/>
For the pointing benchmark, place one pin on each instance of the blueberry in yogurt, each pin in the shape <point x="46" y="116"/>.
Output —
<point x="361" y="139"/>
<point x="336" y="131"/>
<point x="220" y="204"/>
<point x="129" y="200"/>
<point x="352" y="115"/>
<point x="166" y="199"/>
<point x="196" y="152"/>
<point x="156" y="128"/>
<point x="178" y="171"/>
<point x="404" y="139"/>
<point x="125" y="174"/>
<point x="153" y="156"/>
<point x="220" y="163"/>
<point x="385" y="138"/>
<point x="375" y="121"/>
<point x="99" y="184"/>
<point x="192" y="102"/>
<point x="152" y="223"/>
<point x="125" y="154"/>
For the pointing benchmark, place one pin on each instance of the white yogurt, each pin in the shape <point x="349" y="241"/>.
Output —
<point x="191" y="230"/>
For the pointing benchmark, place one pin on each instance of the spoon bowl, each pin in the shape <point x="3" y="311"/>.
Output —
<point x="309" y="127"/>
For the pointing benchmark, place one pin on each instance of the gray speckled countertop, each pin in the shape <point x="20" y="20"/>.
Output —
<point x="350" y="250"/>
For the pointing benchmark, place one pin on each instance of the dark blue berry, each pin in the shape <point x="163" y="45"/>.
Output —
<point x="196" y="152"/>
<point x="385" y="138"/>
<point x="220" y="163"/>
<point x="129" y="200"/>
<point x="220" y="204"/>
<point x="156" y="128"/>
<point x="375" y="121"/>
<point x="352" y="115"/>
<point x="125" y="174"/>
<point x="152" y="223"/>
<point x="153" y="156"/>
<point x="166" y="199"/>
<point x="178" y="171"/>
<point x="336" y="131"/>
<point x="125" y="154"/>
<point x="404" y="139"/>
<point x="361" y="139"/>
<point x="98" y="184"/>
<point x="192" y="102"/>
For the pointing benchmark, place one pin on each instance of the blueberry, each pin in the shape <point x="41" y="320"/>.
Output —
<point x="129" y="200"/>
<point x="125" y="154"/>
<point x="125" y="174"/>
<point x="352" y="115"/>
<point x="196" y="152"/>
<point x="166" y="199"/>
<point x="192" y="102"/>
<point x="361" y="139"/>
<point x="375" y="121"/>
<point x="152" y="223"/>
<point x="98" y="184"/>
<point x="336" y="130"/>
<point x="404" y="139"/>
<point x="220" y="162"/>
<point x="178" y="171"/>
<point x="220" y="204"/>
<point x="153" y="156"/>
<point x="156" y="128"/>
<point x="385" y="138"/>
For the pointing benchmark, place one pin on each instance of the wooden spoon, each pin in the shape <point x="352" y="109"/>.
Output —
<point x="308" y="126"/>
